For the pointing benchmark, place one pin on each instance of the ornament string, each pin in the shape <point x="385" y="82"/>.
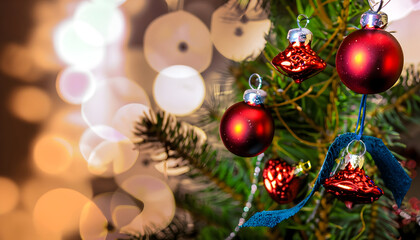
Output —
<point x="362" y="119"/>
<point x="381" y="3"/>
<point x="248" y="204"/>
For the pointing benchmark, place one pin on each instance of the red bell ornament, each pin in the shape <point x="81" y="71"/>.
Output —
<point x="370" y="60"/>
<point x="283" y="181"/>
<point x="351" y="184"/>
<point x="298" y="60"/>
<point x="247" y="128"/>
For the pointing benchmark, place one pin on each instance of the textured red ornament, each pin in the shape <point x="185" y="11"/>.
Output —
<point x="369" y="61"/>
<point x="353" y="186"/>
<point x="280" y="181"/>
<point x="247" y="130"/>
<point x="299" y="62"/>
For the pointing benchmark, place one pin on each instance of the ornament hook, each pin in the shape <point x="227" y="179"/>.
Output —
<point x="259" y="79"/>
<point x="299" y="19"/>
<point x="361" y="143"/>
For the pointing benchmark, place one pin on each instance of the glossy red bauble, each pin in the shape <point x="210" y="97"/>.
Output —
<point x="299" y="62"/>
<point x="369" y="61"/>
<point x="247" y="130"/>
<point x="280" y="181"/>
<point x="353" y="186"/>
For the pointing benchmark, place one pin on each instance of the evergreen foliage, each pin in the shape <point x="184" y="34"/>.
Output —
<point x="308" y="117"/>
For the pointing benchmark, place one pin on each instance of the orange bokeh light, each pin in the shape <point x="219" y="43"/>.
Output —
<point x="9" y="195"/>
<point x="58" y="211"/>
<point x="52" y="154"/>
<point x="30" y="104"/>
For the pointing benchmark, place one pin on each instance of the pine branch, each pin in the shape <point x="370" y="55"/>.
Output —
<point x="183" y="141"/>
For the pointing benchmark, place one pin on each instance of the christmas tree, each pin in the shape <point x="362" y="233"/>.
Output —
<point x="173" y="119"/>
<point x="307" y="118"/>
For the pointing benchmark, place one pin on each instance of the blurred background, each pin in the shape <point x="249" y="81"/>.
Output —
<point x="74" y="77"/>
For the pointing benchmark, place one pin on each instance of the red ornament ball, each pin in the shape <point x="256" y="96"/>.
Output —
<point x="247" y="130"/>
<point x="299" y="62"/>
<point x="369" y="61"/>
<point x="353" y="186"/>
<point x="280" y="181"/>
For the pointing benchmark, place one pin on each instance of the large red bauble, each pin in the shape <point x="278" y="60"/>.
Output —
<point x="369" y="61"/>
<point x="247" y="130"/>
<point x="280" y="181"/>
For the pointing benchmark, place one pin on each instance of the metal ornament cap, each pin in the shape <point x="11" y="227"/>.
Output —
<point x="374" y="20"/>
<point x="254" y="96"/>
<point x="301" y="35"/>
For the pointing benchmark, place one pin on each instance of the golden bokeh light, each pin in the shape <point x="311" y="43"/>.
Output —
<point x="109" y="210"/>
<point x="30" y="104"/>
<point x="159" y="204"/>
<point x="110" y="158"/>
<point x="93" y="223"/>
<point x="9" y="195"/>
<point x="34" y="188"/>
<point x="19" y="225"/>
<point x="58" y="210"/>
<point x="107" y="158"/>
<point x="52" y="154"/>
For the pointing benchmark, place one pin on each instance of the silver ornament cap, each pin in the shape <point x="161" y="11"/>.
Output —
<point x="254" y="96"/>
<point x="374" y="20"/>
<point x="301" y="35"/>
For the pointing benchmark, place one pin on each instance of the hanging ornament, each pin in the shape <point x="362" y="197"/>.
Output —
<point x="298" y="60"/>
<point x="283" y="181"/>
<point x="247" y="128"/>
<point x="370" y="60"/>
<point x="351" y="185"/>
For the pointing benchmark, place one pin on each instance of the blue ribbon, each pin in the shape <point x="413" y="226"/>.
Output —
<point x="394" y="176"/>
<point x="362" y="122"/>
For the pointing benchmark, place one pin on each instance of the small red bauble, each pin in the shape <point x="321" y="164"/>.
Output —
<point x="370" y="60"/>
<point x="247" y="130"/>
<point x="298" y="60"/>
<point x="280" y="181"/>
<point x="353" y="186"/>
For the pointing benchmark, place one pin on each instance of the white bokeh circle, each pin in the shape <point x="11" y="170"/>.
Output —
<point x="178" y="38"/>
<point x="98" y="23"/>
<point x="239" y="36"/>
<point x="110" y="95"/>
<point x="75" y="85"/>
<point x="73" y="50"/>
<point x="127" y="117"/>
<point x="179" y="90"/>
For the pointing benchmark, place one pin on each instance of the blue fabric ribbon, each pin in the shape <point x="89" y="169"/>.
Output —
<point x="362" y="120"/>
<point x="394" y="176"/>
